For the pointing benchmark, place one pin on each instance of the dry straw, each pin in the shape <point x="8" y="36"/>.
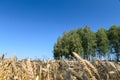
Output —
<point x="80" y="69"/>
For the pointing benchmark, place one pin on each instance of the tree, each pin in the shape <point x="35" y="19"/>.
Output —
<point x="102" y="41"/>
<point x="65" y="44"/>
<point x="88" y="41"/>
<point x="75" y="43"/>
<point x="85" y="42"/>
<point x="70" y="42"/>
<point x="58" y="48"/>
<point x="80" y="32"/>
<point x="114" y="37"/>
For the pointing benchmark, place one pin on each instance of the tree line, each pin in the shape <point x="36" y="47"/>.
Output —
<point x="88" y="43"/>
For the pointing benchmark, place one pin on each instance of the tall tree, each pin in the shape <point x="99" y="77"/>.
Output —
<point x="75" y="43"/>
<point x="102" y="41"/>
<point x="65" y="44"/>
<point x="80" y="32"/>
<point x="70" y="42"/>
<point x="58" y="48"/>
<point x="84" y="41"/>
<point x="88" y="41"/>
<point x="114" y="37"/>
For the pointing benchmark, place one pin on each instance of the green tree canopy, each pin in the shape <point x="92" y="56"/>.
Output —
<point x="102" y="41"/>
<point x="88" y="41"/>
<point x="58" y="48"/>
<point x="114" y="37"/>
<point x="85" y="42"/>
<point x="70" y="42"/>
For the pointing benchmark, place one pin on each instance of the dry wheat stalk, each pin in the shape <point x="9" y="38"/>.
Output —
<point x="88" y="72"/>
<point x="25" y="69"/>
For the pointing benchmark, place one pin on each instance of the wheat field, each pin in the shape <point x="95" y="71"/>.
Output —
<point x="78" y="69"/>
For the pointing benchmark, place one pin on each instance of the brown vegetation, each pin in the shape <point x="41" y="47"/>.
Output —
<point x="80" y="69"/>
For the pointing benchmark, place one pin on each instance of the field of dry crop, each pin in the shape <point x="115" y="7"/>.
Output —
<point x="80" y="69"/>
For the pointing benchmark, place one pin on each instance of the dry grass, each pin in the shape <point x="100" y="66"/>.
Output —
<point x="80" y="69"/>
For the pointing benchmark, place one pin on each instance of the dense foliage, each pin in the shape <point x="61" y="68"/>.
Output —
<point x="88" y="43"/>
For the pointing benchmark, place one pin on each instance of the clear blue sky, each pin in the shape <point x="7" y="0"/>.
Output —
<point x="29" y="28"/>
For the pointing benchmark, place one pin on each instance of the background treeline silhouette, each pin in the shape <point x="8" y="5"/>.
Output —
<point x="87" y="43"/>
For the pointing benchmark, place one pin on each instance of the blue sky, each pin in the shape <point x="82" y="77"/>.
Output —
<point x="29" y="28"/>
